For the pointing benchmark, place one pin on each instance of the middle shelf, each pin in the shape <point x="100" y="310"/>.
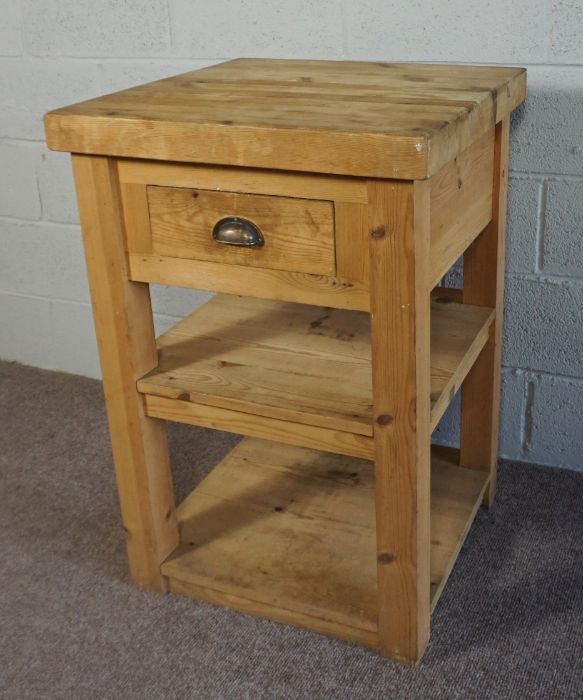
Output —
<point x="305" y="371"/>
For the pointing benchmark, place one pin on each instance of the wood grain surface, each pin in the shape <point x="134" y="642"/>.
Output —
<point x="345" y="117"/>
<point x="298" y="233"/>
<point x="300" y="363"/>
<point x="288" y="533"/>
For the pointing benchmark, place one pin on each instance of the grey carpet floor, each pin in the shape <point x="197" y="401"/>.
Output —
<point x="509" y="624"/>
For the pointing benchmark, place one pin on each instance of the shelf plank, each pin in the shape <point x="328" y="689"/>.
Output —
<point x="325" y="439"/>
<point x="456" y="496"/>
<point x="299" y="363"/>
<point x="288" y="533"/>
<point x="458" y="334"/>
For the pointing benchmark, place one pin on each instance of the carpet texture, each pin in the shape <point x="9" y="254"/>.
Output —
<point x="509" y="624"/>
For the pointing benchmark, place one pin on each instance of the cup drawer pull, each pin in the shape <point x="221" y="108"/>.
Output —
<point x="233" y="230"/>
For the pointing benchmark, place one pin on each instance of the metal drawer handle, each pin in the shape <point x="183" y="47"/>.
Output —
<point x="232" y="230"/>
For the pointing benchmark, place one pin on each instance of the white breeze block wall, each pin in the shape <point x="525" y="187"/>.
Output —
<point x="54" y="52"/>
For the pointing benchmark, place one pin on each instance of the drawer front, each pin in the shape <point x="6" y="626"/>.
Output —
<point x="298" y="234"/>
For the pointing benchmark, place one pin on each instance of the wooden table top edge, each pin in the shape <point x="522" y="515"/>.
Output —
<point x="373" y="151"/>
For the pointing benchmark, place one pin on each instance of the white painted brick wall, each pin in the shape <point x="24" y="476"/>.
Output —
<point x="543" y="325"/>
<point x="562" y="229"/>
<point x="54" y="52"/>
<point x="10" y="34"/>
<point x="524" y="196"/>
<point x="491" y="31"/>
<point x="566" y="35"/>
<point x="19" y="195"/>
<point x="28" y="86"/>
<point x="104" y="28"/>
<point x="276" y="28"/>
<point x="554" y="430"/>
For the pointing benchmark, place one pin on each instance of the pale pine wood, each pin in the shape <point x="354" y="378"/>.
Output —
<point x="351" y="225"/>
<point x="303" y="364"/>
<point x="256" y="282"/>
<point x="366" y="119"/>
<point x="136" y="216"/>
<point x="277" y="613"/>
<point x="484" y="286"/>
<point x="298" y="233"/>
<point x="461" y="204"/>
<point x="123" y="324"/>
<point x="456" y="496"/>
<point x="458" y="334"/>
<point x="443" y="294"/>
<point x="348" y="289"/>
<point x="304" y="149"/>
<point x="273" y="513"/>
<point x="290" y="433"/>
<point x="400" y="327"/>
<point x="249" y="180"/>
<point x="263" y="531"/>
<point x="294" y="362"/>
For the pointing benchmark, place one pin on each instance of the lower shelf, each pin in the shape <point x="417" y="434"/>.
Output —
<point x="288" y="533"/>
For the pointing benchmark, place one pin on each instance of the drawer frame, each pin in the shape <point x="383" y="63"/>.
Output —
<point x="347" y="289"/>
<point x="460" y="207"/>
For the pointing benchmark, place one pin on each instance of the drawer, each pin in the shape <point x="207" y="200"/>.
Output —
<point x="315" y="231"/>
<point x="294" y="234"/>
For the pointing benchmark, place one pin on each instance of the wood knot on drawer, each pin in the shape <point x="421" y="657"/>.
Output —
<point x="378" y="232"/>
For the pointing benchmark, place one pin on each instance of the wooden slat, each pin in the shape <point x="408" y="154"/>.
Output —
<point x="319" y="625"/>
<point x="365" y="119"/>
<point x="303" y="364"/>
<point x="324" y="439"/>
<point x="400" y="335"/>
<point x="351" y="228"/>
<point x="484" y="286"/>
<point x="442" y="294"/>
<point x="441" y="83"/>
<point x="125" y="336"/>
<point x="136" y="216"/>
<point x="458" y="334"/>
<point x="293" y="362"/>
<point x="261" y="283"/>
<point x="262" y="533"/>
<point x="456" y="496"/>
<point x="400" y="155"/>
<point x="298" y="233"/>
<point x="229" y="179"/>
<point x="461" y="204"/>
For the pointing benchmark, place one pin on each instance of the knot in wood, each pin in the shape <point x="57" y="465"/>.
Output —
<point x="384" y="419"/>
<point x="378" y="232"/>
<point x="386" y="557"/>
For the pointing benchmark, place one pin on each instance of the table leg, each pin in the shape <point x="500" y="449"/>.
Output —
<point x="484" y="286"/>
<point x="127" y="349"/>
<point x="400" y="318"/>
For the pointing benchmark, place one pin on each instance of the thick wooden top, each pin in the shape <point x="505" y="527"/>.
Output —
<point x="391" y="120"/>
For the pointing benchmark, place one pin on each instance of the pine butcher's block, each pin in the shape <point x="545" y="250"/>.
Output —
<point x="324" y="202"/>
<point x="366" y="119"/>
